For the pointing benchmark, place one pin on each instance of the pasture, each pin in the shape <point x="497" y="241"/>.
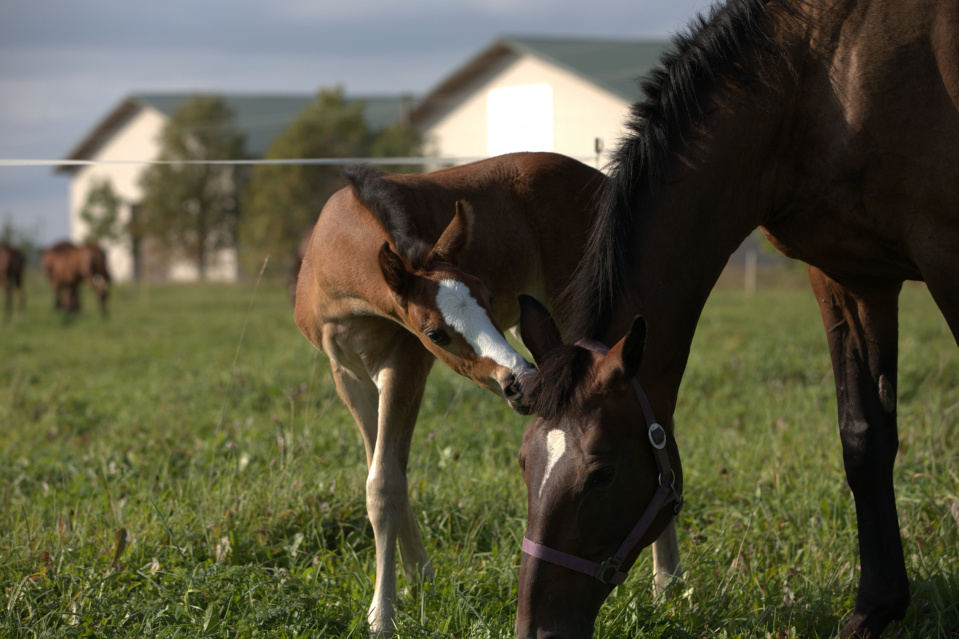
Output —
<point x="185" y="469"/>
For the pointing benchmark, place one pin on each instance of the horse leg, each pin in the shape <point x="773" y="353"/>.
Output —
<point x="385" y="405"/>
<point x="100" y="289"/>
<point x="73" y="305"/>
<point x="20" y="292"/>
<point x="862" y="329"/>
<point x="666" y="565"/>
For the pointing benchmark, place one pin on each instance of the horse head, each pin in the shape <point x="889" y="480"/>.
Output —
<point x="451" y="312"/>
<point x="603" y="478"/>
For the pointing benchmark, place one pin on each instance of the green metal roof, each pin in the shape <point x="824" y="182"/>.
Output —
<point x="263" y="117"/>
<point x="614" y="65"/>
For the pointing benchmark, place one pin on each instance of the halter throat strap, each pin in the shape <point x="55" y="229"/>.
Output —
<point x="611" y="571"/>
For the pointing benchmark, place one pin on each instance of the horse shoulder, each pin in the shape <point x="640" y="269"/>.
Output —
<point x="340" y="275"/>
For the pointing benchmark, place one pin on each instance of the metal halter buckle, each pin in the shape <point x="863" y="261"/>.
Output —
<point x="608" y="570"/>
<point x="660" y="433"/>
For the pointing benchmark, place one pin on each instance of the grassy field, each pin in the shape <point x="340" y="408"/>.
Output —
<point x="185" y="469"/>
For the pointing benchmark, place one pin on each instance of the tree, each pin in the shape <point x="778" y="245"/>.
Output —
<point x="193" y="207"/>
<point x="101" y="212"/>
<point x="282" y="201"/>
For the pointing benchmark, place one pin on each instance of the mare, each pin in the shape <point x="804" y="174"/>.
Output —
<point x="66" y="265"/>
<point x="834" y="126"/>
<point x="11" y="277"/>
<point x="402" y="270"/>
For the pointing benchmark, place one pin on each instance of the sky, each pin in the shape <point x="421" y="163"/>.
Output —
<point x="64" y="64"/>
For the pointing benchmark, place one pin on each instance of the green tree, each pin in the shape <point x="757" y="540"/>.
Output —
<point x="282" y="201"/>
<point x="101" y="212"/>
<point x="193" y="207"/>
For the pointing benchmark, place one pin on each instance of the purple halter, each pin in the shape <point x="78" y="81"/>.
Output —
<point x="609" y="571"/>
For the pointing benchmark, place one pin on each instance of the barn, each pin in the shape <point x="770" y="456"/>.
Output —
<point x="537" y="94"/>
<point x="130" y="133"/>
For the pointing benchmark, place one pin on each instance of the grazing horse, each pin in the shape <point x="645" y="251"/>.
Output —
<point x="67" y="265"/>
<point x="11" y="276"/>
<point x="403" y="269"/>
<point x="834" y="126"/>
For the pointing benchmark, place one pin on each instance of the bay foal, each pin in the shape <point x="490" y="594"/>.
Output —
<point x="402" y="270"/>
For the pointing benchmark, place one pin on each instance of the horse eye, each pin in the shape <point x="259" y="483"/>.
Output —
<point x="601" y="477"/>
<point x="438" y="337"/>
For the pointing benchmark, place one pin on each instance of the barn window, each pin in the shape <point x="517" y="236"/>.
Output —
<point x="519" y="119"/>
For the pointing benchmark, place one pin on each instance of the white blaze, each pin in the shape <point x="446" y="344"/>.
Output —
<point x="555" y="449"/>
<point x="464" y="315"/>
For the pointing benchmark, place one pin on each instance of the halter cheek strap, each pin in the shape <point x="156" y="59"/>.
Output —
<point x="609" y="571"/>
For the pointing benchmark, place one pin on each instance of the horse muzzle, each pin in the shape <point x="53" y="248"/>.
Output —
<point x="515" y="388"/>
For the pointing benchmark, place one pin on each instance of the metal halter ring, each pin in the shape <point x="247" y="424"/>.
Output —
<point x="661" y="433"/>
<point x="607" y="570"/>
<point x="672" y="479"/>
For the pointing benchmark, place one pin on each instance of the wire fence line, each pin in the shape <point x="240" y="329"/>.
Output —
<point x="446" y="161"/>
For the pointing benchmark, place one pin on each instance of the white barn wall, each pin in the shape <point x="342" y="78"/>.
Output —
<point x="137" y="140"/>
<point x="581" y="112"/>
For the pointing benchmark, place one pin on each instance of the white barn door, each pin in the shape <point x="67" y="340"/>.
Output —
<point x="519" y="119"/>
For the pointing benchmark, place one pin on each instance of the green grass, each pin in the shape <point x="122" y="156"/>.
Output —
<point x="160" y="476"/>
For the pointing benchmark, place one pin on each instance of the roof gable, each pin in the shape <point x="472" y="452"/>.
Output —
<point x="613" y="65"/>
<point x="261" y="118"/>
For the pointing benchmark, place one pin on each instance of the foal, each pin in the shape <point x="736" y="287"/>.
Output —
<point x="403" y="269"/>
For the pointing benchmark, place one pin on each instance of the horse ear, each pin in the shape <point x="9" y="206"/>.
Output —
<point x="622" y="362"/>
<point x="457" y="235"/>
<point x="537" y="328"/>
<point x="394" y="270"/>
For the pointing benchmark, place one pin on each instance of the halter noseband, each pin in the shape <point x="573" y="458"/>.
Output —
<point x="609" y="571"/>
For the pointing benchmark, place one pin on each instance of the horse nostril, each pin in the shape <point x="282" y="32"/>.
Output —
<point x="513" y="391"/>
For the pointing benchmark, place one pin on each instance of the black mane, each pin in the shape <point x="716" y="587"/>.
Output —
<point x="388" y="200"/>
<point x="724" y="50"/>
<point x="561" y="372"/>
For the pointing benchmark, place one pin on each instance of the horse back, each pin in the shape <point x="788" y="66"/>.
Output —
<point x="531" y="217"/>
<point x="873" y="145"/>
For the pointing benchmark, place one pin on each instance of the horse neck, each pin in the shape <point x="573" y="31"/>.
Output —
<point x="684" y="233"/>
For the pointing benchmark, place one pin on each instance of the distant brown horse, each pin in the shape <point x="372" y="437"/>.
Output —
<point x="67" y="265"/>
<point x="11" y="277"/>
<point x="834" y="125"/>
<point x="403" y="269"/>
